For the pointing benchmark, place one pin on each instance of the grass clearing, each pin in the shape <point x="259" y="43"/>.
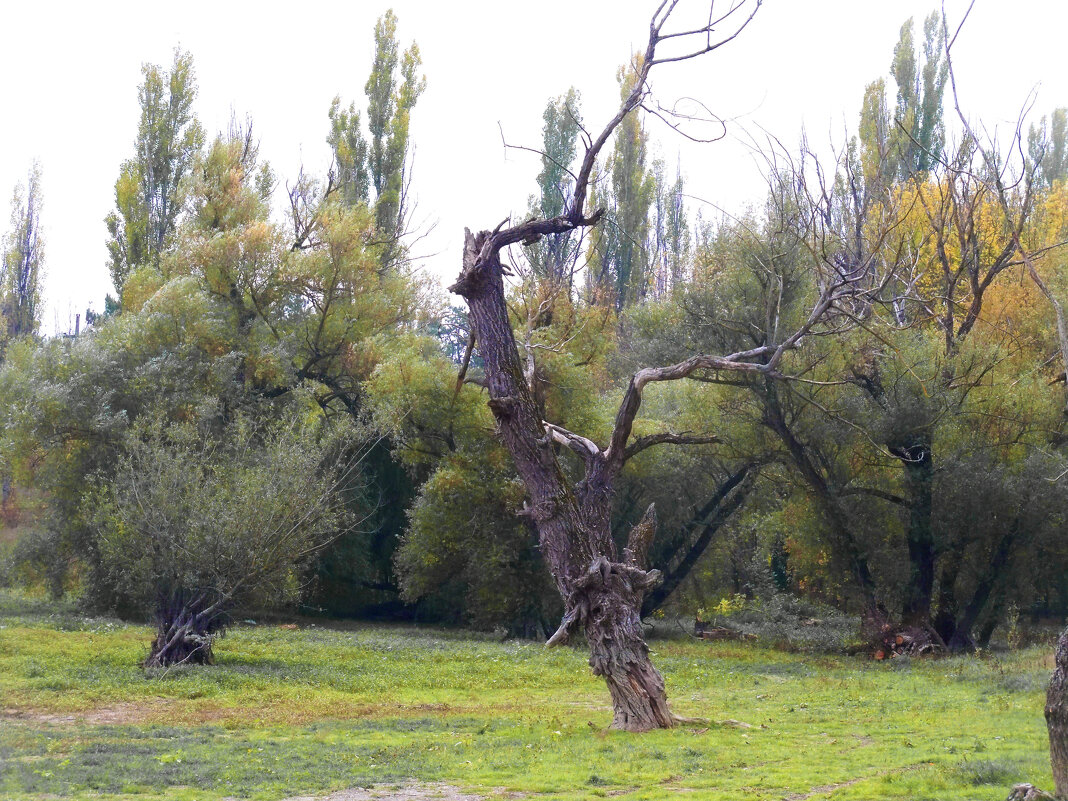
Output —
<point x="316" y="710"/>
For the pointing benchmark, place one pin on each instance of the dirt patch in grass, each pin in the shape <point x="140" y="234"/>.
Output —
<point x="112" y="715"/>
<point x="830" y="788"/>
<point x="407" y="792"/>
<point x="184" y="711"/>
<point x="823" y="788"/>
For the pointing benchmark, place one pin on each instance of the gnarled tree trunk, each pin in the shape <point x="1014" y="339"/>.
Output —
<point x="1057" y="717"/>
<point x="618" y="651"/>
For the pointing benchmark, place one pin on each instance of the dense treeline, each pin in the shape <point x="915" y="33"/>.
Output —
<point x="280" y="409"/>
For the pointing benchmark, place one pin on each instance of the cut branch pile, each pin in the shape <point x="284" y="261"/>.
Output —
<point x="1028" y="792"/>
<point x="704" y="630"/>
<point x="907" y="641"/>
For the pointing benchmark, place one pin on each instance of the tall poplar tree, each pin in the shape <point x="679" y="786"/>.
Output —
<point x="620" y="258"/>
<point x="670" y="242"/>
<point x="921" y="82"/>
<point x="23" y="258"/>
<point x="20" y="289"/>
<point x="148" y="190"/>
<point x="374" y="169"/>
<point x="1048" y="146"/>
<point x="349" y="147"/>
<point x="553" y="257"/>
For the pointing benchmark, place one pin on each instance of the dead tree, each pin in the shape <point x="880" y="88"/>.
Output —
<point x="602" y="589"/>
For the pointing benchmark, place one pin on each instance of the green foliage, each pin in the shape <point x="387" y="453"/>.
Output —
<point x="350" y="153"/>
<point x="465" y="545"/>
<point x="236" y="513"/>
<point x="554" y="256"/>
<point x="670" y="245"/>
<point x="919" y="132"/>
<point x="619" y="263"/>
<point x="22" y="265"/>
<point x="232" y="321"/>
<point x="909" y="142"/>
<point x="1048" y="146"/>
<point x="914" y="432"/>
<point x="380" y="162"/>
<point x="787" y="622"/>
<point x="465" y="554"/>
<point x="148" y="192"/>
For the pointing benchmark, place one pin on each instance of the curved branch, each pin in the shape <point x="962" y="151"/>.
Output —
<point x="875" y="493"/>
<point x="641" y="443"/>
<point x="632" y="399"/>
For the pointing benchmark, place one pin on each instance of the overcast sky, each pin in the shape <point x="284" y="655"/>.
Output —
<point x="71" y="72"/>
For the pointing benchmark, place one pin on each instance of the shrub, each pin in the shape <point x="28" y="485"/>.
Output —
<point x="195" y="525"/>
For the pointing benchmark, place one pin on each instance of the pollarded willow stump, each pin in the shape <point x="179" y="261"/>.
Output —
<point x="186" y="626"/>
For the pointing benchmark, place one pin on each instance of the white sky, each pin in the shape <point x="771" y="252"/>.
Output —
<point x="71" y="72"/>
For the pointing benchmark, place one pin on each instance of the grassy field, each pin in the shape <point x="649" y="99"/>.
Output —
<point x="308" y="711"/>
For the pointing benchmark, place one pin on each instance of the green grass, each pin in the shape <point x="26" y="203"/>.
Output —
<point x="289" y="712"/>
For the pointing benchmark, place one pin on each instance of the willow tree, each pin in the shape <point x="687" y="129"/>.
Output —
<point x="602" y="588"/>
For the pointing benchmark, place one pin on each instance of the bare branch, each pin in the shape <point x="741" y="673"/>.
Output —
<point x="641" y="443"/>
<point x="536" y="151"/>
<point x="585" y="448"/>
<point x="489" y="245"/>
<point x="461" y="377"/>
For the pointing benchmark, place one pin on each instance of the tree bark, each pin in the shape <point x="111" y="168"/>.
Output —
<point x="1057" y="717"/>
<point x="618" y="653"/>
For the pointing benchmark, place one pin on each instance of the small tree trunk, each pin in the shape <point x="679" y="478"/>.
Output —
<point x="186" y="627"/>
<point x="919" y="482"/>
<point x="7" y="502"/>
<point x="1057" y="717"/>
